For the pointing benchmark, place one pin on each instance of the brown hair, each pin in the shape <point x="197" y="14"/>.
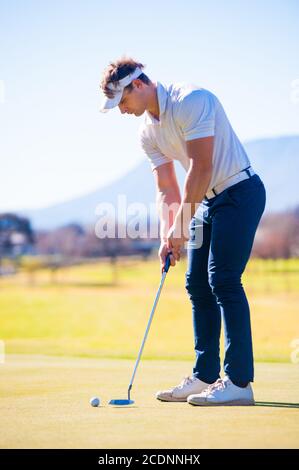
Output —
<point x="118" y="70"/>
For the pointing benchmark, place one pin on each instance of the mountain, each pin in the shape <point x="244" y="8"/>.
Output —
<point x="276" y="160"/>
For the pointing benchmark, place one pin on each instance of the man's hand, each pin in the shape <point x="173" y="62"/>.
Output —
<point x="163" y="252"/>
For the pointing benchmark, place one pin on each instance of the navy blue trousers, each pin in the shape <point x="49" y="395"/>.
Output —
<point x="221" y="237"/>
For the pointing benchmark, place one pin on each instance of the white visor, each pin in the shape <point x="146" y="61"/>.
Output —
<point x="118" y="88"/>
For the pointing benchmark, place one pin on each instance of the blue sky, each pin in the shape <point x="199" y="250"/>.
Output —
<point x="54" y="142"/>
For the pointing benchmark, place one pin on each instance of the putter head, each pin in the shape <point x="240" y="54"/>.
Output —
<point x="121" y="402"/>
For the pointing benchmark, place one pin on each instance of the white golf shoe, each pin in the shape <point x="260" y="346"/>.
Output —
<point x="223" y="392"/>
<point x="189" y="385"/>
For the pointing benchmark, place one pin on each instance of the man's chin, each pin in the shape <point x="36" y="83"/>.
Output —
<point x="138" y="113"/>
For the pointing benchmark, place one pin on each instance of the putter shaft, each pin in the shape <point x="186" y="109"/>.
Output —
<point x="166" y="268"/>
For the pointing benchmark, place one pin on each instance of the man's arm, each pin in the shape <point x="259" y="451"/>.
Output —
<point x="168" y="202"/>
<point x="200" y="152"/>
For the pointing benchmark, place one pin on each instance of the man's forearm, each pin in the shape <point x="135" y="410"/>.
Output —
<point x="168" y="203"/>
<point x="196" y="185"/>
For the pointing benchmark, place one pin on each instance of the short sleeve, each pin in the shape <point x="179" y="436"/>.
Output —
<point x="195" y="114"/>
<point x="155" y="156"/>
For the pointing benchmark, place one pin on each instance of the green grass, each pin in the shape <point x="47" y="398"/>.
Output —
<point x="80" y="312"/>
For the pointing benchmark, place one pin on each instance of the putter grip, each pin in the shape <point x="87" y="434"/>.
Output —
<point x="167" y="262"/>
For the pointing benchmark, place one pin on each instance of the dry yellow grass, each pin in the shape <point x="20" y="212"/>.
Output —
<point x="84" y="314"/>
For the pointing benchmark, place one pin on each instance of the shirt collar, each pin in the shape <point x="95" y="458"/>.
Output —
<point x="162" y="99"/>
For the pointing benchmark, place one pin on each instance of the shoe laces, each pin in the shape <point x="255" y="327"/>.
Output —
<point x="218" y="385"/>
<point x="188" y="379"/>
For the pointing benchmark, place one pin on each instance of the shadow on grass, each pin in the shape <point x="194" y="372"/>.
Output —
<point x="275" y="404"/>
<point x="123" y="406"/>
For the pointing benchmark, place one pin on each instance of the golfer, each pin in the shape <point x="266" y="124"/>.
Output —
<point x="216" y="216"/>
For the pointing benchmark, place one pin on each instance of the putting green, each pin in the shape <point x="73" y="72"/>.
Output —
<point x="45" y="404"/>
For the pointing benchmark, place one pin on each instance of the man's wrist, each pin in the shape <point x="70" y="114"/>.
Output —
<point x="182" y="222"/>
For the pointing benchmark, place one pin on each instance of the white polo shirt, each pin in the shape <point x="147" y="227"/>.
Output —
<point x="189" y="112"/>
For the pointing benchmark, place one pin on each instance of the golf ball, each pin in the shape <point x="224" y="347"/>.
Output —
<point x="95" y="401"/>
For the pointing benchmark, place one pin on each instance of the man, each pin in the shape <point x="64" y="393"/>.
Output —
<point x="222" y="203"/>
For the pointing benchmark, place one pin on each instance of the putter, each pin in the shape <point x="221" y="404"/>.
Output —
<point x="122" y="402"/>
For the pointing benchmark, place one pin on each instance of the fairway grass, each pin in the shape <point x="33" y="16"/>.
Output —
<point x="45" y="404"/>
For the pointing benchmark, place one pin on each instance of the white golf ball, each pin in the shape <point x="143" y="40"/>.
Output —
<point x="95" y="401"/>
